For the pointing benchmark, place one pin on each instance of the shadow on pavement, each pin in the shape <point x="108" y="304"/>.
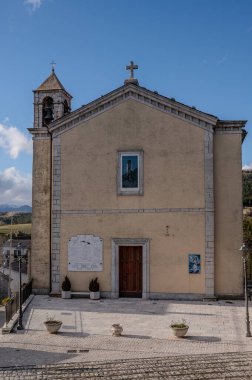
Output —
<point x="185" y="313"/>
<point x="203" y="338"/>
<point x="136" y="336"/>
<point x="107" y="306"/>
<point x="60" y="333"/>
<point x="73" y="334"/>
<point x="19" y="357"/>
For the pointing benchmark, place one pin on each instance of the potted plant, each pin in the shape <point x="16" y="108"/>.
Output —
<point x="66" y="288"/>
<point x="179" y="329"/>
<point x="94" y="288"/>
<point x="5" y="301"/>
<point x="52" y="325"/>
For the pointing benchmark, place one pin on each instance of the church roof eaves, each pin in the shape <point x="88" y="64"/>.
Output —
<point x="151" y="98"/>
<point x="231" y="123"/>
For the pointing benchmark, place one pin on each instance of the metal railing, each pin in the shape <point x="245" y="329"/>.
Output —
<point x="13" y="305"/>
<point x="11" y="308"/>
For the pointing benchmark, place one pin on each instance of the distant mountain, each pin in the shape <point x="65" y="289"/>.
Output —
<point x="15" y="208"/>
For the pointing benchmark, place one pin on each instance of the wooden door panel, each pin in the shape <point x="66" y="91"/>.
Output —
<point x="130" y="271"/>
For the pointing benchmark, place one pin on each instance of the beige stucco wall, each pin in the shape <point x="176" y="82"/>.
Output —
<point x="168" y="254"/>
<point x="228" y="213"/>
<point x="40" y="244"/>
<point x="173" y="178"/>
<point x="173" y="160"/>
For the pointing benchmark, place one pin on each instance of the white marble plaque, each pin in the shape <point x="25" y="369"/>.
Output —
<point x="85" y="254"/>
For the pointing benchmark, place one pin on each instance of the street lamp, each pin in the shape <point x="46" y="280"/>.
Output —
<point x="245" y="254"/>
<point x="20" y="317"/>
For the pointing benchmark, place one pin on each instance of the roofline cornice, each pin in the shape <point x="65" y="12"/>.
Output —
<point x="231" y="127"/>
<point x="231" y="123"/>
<point x="55" y="90"/>
<point x="39" y="133"/>
<point x="140" y="94"/>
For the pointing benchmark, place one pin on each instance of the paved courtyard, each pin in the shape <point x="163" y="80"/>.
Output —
<point x="85" y="336"/>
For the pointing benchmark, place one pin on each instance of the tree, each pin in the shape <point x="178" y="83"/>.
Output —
<point x="247" y="238"/>
<point x="247" y="188"/>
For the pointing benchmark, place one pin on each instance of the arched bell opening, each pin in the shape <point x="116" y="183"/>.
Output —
<point x="48" y="110"/>
<point x="66" y="107"/>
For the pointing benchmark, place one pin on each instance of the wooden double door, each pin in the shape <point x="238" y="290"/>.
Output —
<point x="130" y="271"/>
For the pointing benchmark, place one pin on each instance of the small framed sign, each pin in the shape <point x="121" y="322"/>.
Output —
<point x="194" y="264"/>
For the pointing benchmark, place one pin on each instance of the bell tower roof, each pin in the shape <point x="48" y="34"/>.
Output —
<point x="52" y="83"/>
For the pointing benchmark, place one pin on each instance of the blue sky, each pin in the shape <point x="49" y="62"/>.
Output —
<point x="197" y="51"/>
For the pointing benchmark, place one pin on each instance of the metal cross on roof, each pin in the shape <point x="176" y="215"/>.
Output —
<point x="131" y="67"/>
<point x="53" y="64"/>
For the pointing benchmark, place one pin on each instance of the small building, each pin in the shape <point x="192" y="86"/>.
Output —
<point x="14" y="248"/>
<point x="137" y="189"/>
<point x="4" y="280"/>
<point x="11" y="250"/>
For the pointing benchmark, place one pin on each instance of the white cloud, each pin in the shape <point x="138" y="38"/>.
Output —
<point x="247" y="167"/>
<point x="35" y="4"/>
<point x="15" y="188"/>
<point x="14" y="141"/>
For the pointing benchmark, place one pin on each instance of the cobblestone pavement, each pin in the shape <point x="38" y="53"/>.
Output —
<point x="85" y="336"/>
<point x="236" y="366"/>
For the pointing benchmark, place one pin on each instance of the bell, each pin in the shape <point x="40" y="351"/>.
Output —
<point x="48" y="114"/>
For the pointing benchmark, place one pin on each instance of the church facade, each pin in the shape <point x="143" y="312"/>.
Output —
<point x="136" y="189"/>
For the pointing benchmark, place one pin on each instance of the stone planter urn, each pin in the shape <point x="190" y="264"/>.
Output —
<point x="117" y="329"/>
<point x="94" y="295"/>
<point x="94" y="289"/>
<point x="179" y="331"/>
<point x="65" y="294"/>
<point x="66" y="288"/>
<point x="53" y="326"/>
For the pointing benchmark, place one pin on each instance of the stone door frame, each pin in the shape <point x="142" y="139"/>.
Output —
<point x="144" y="243"/>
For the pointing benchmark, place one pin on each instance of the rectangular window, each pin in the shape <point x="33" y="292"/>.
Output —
<point x="17" y="253"/>
<point x="130" y="173"/>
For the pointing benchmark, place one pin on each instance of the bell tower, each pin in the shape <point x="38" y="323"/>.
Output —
<point x="51" y="101"/>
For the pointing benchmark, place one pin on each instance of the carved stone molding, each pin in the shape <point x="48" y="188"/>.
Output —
<point x="131" y="211"/>
<point x="39" y="133"/>
<point x="140" y="94"/>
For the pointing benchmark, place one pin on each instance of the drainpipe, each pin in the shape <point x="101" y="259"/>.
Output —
<point x="50" y="223"/>
<point x="9" y="280"/>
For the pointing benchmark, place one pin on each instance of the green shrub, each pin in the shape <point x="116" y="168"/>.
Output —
<point x="94" y="285"/>
<point x="66" y="285"/>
